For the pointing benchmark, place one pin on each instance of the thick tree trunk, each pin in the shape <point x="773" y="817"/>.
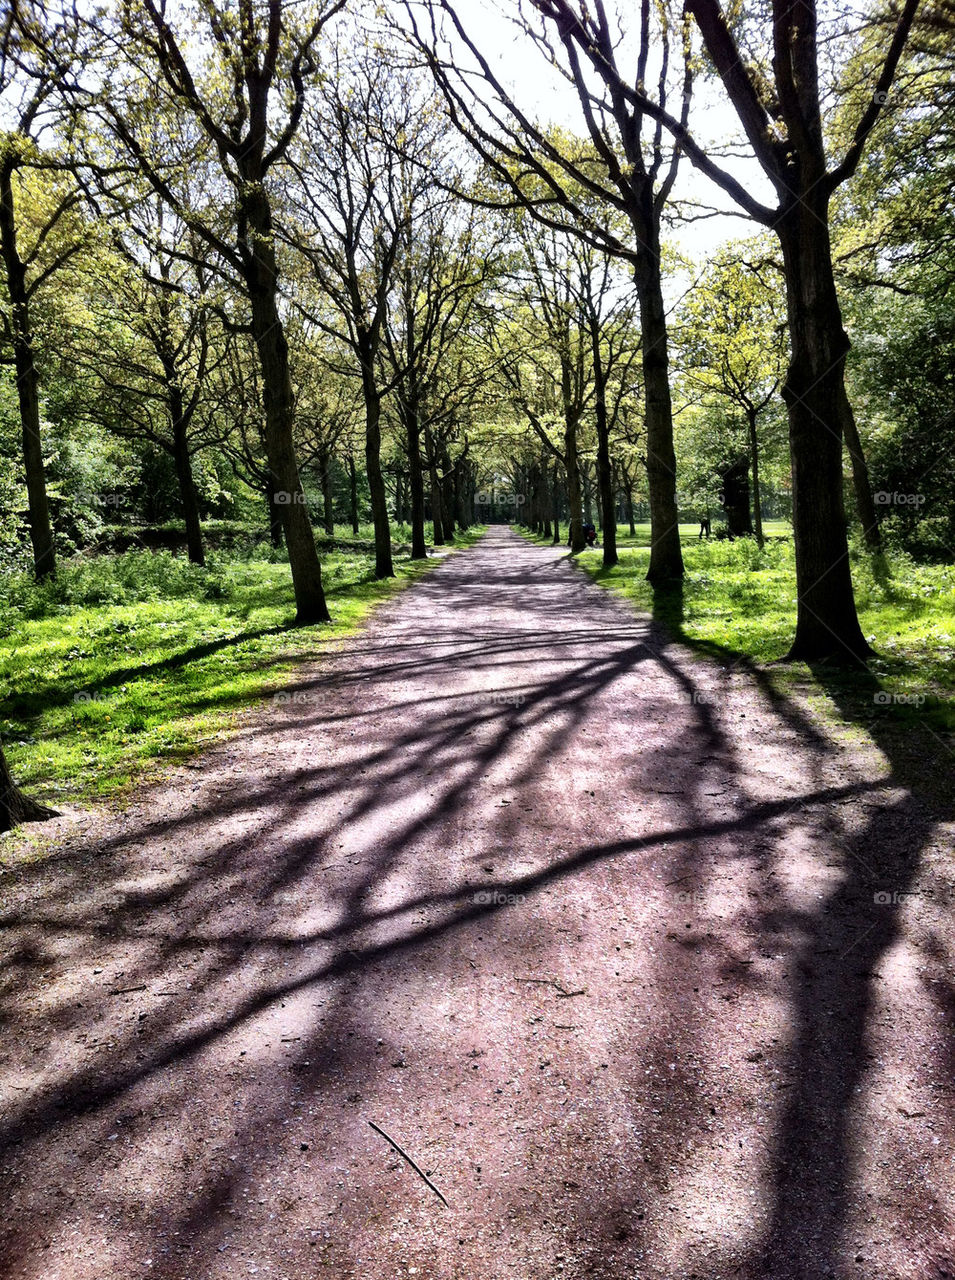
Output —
<point x="28" y="389"/>
<point x="353" y="494"/>
<point x="754" y="464"/>
<point x="666" y="556"/>
<point x="555" y="493"/>
<point x="182" y="459"/>
<point x="278" y="403"/>
<point x="827" y="626"/>
<point x="256" y="246"/>
<point x="15" y="807"/>
<point x="384" y="567"/>
<point x="735" y="495"/>
<point x="862" y="485"/>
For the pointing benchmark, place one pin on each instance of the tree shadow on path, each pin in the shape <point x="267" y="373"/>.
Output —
<point x="372" y="905"/>
<point x="844" y="943"/>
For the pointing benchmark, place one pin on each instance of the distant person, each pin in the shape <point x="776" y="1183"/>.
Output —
<point x="705" y="526"/>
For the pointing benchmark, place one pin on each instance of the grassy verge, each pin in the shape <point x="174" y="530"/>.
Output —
<point x="740" y="601"/>
<point x="773" y="531"/>
<point x="130" y="662"/>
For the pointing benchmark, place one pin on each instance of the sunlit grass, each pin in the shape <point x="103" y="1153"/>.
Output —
<point x="739" y="599"/>
<point x="129" y="662"/>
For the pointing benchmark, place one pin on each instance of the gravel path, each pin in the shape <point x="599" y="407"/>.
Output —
<point x="588" y="925"/>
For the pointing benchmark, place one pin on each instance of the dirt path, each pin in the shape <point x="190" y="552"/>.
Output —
<point x="585" y="923"/>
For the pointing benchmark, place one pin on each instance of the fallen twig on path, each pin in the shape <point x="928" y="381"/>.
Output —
<point x="562" y="992"/>
<point x="378" y="1129"/>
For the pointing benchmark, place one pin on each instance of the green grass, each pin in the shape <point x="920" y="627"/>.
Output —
<point x="740" y="600"/>
<point x="129" y="662"/>
<point x="690" y="533"/>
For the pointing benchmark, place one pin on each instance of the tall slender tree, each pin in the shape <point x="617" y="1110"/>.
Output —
<point x="626" y="168"/>
<point x="361" y="177"/>
<point x="168" y="349"/>
<point x="769" y="67"/>
<point x="236" y="90"/>
<point x="449" y="257"/>
<point x="30" y="70"/>
<point x="732" y="345"/>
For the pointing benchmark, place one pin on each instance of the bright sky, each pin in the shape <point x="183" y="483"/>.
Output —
<point x="544" y="94"/>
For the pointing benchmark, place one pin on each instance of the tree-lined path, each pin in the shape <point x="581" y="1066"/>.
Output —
<point x="593" y="928"/>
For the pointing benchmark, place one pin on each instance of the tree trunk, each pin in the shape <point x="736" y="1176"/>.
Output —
<point x="588" y="493"/>
<point x="412" y="409"/>
<point x="261" y="279"/>
<point x="384" y="567"/>
<point x="325" y="474"/>
<point x="734" y="497"/>
<point x="28" y="389"/>
<point x="182" y="459"/>
<point x="827" y="625"/>
<point x="666" y="556"/>
<point x="179" y="420"/>
<point x="604" y="469"/>
<point x="437" y="517"/>
<point x="865" y="503"/>
<point x="628" y="497"/>
<point x="289" y="495"/>
<point x="574" y="498"/>
<point x="353" y="494"/>
<point x="419" y="549"/>
<point x="460" y="506"/>
<point x="468" y="494"/>
<point x="437" y="514"/>
<point x="447" y="499"/>
<point x="608" y="508"/>
<point x="754" y="463"/>
<point x="555" y="490"/>
<point x="15" y="807"/>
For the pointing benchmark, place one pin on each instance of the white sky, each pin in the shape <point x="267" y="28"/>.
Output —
<point x="544" y="94"/>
